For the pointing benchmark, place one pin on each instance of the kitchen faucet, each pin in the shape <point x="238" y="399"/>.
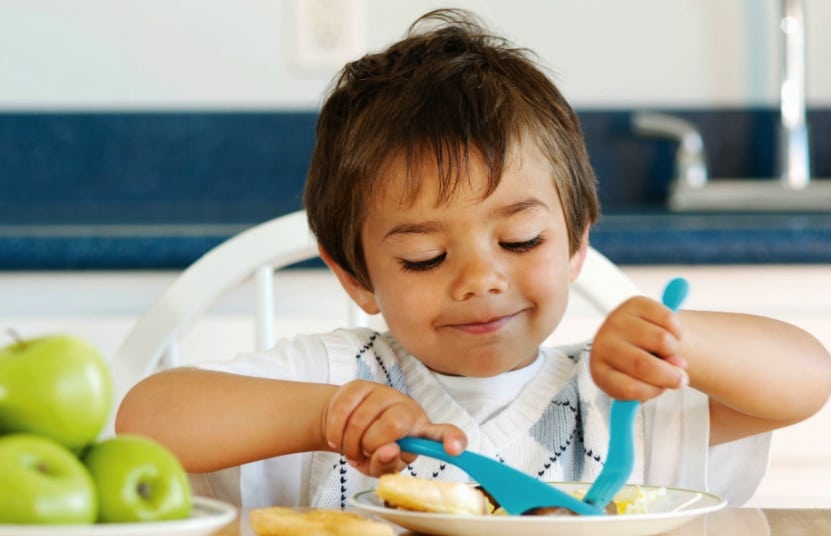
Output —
<point x="690" y="159"/>
<point x="793" y="137"/>
<point x="794" y="190"/>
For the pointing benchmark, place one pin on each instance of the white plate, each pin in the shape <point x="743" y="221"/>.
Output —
<point x="675" y="508"/>
<point x="206" y="517"/>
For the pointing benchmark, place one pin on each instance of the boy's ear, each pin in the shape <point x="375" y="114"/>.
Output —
<point x="575" y="264"/>
<point x="364" y="297"/>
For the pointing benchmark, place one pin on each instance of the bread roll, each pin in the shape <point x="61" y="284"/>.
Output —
<point x="410" y="493"/>
<point x="279" y="521"/>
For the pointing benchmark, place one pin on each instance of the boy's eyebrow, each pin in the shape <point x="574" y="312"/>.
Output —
<point x="521" y="206"/>
<point x="414" y="228"/>
<point x="435" y="227"/>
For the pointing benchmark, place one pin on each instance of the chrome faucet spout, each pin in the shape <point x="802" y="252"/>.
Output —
<point x="793" y="139"/>
<point x="690" y="157"/>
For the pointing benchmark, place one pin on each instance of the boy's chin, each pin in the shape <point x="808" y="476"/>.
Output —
<point x="483" y="370"/>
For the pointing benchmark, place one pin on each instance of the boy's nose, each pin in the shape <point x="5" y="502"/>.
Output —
<point x="478" y="275"/>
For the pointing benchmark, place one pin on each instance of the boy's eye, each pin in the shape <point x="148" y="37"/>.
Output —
<point x="422" y="266"/>
<point x="522" y="247"/>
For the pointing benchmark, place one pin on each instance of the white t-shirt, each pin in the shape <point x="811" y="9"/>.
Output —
<point x="672" y="431"/>
<point x="482" y="398"/>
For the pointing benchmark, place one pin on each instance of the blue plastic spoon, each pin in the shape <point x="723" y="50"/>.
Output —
<point x="515" y="491"/>
<point x="621" y="455"/>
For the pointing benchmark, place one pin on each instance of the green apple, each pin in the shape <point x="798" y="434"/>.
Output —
<point x="43" y="482"/>
<point x="58" y="386"/>
<point x="137" y="479"/>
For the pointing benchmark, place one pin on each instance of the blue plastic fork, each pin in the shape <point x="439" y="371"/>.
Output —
<point x="621" y="456"/>
<point x="515" y="491"/>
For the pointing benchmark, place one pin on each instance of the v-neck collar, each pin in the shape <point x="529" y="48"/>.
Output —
<point x="500" y="430"/>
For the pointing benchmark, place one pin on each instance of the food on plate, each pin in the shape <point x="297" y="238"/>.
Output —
<point x="611" y="509"/>
<point x="630" y="500"/>
<point x="435" y="496"/>
<point x="280" y="521"/>
<point x="637" y="500"/>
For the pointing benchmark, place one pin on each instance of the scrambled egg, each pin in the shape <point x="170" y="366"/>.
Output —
<point x="637" y="500"/>
<point x="632" y="499"/>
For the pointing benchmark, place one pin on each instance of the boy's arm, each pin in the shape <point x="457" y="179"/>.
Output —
<point x="212" y="420"/>
<point x="759" y="373"/>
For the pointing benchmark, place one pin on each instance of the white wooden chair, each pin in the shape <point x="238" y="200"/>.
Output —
<point x="254" y="255"/>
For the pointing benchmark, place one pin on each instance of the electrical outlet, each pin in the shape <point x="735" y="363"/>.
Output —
<point x="328" y="33"/>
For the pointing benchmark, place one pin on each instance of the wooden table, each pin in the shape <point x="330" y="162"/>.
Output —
<point x="730" y="521"/>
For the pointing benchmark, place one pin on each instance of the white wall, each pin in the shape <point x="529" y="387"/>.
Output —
<point x="215" y="54"/>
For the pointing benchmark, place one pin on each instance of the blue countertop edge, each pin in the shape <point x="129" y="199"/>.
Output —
<point x="627" y="239"/>
<point x="715" y="239"/>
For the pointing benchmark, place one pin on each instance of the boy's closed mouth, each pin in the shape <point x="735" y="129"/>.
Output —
<point x="478" y="327"/>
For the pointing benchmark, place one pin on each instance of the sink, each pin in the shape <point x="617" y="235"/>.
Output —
<point x="730" y="195"/>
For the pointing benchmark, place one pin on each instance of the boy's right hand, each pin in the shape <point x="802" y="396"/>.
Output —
<point x="364" y="419"/>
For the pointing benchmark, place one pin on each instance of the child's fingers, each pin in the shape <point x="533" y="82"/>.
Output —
<point x="395" y="419"/>
<point x="451" y="436"/>
<point x="677" y="361"/>
<point x="634" y="366"/>
<point x="642" y="333"/>
<point x="387" y="459"/>
<point x="646" y="367"/>
<point x="364" y="420"/>
<point x="383" y="416"/>
<point x="660" y="315"/>
<point x="640" y="312"/>
<point x="377" y="420"/>
<point x="406" y="418"/>
<point x="624" y="387"/>
<point x="339" y="412"/>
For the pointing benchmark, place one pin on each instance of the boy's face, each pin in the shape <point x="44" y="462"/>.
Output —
<point x="471" y="287"/>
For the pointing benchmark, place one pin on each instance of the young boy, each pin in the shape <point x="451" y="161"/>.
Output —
<point x="450" y="191"/>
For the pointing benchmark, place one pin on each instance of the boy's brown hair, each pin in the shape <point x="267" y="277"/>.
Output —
<point x="448" y="89"/>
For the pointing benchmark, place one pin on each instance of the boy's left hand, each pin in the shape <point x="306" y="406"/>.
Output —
<point x="635" y="354"/>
